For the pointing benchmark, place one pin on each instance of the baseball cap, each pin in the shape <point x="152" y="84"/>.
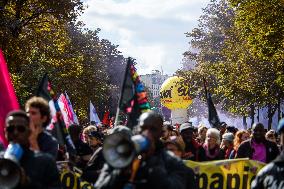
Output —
<point x="228" y="137"/>
<point x="187" y="125"/>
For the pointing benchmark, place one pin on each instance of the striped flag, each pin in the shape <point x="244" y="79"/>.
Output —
<point x="133" y="100"/>
<point x="74" y="117"/>
<point x="65" y="110"/>
<point x="57" y="126"/>
<point x="45" y="91"/>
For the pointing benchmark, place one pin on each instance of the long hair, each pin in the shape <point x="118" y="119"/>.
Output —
<point x="238" y="138"/>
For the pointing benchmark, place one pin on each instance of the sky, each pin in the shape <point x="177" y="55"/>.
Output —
<point x="151" y="31"/>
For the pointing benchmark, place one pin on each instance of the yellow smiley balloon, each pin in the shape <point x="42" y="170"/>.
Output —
<point x="174" y="93"/>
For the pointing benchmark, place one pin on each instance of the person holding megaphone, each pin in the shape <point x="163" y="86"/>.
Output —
<point x="151" y="167"/>
<point x="21" y="167"/>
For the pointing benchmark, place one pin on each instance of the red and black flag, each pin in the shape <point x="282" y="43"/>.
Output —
<point x="133" y="99"/>
<point x="213" y="117"/>
<point x="44" y="89"/>
<point x="57" y="126"/>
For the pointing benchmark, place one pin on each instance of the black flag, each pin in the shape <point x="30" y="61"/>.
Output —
<point x="44" y="89"/>
<point x="133" y="99"/>
<point x="57" y="126"/>
<point x="213" y="117"/>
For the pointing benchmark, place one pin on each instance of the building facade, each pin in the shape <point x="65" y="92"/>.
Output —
<point x="154" y="82"/>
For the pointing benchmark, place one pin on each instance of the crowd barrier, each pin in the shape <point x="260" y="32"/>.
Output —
<point x="223" y="174"/>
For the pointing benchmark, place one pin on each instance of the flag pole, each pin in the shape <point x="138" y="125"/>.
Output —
<point x="121" y="92"/>
<point x="205" y="88"/>
<point x="116" y="116"/>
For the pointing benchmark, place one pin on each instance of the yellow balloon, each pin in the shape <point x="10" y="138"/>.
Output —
<point x="174" y="93"/>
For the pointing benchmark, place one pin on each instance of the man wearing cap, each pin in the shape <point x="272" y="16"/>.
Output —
<point x="272" y="175"/>
<point x="258" y="148"/>
<point x="227" y="144"/>
<point x="193" y="150"/>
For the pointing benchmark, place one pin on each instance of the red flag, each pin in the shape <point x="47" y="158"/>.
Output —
<point x="106" y="118"/>
<point x="8" y="99"/>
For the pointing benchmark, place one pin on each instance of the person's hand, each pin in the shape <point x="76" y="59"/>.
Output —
<point x="33" y="136"/>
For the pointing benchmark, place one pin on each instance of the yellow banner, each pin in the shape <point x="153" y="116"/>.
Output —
<point x="225" y="174"/>
<point x="71" y="180"/>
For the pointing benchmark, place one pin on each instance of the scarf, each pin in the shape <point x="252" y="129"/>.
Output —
<point x="207" y="151"/>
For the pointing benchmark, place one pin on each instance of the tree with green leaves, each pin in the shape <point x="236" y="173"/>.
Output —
<point x="239" y="78"/>
<point x="46" y="38"/>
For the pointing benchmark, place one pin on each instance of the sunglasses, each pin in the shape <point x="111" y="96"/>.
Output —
<point x="20" y="128"/>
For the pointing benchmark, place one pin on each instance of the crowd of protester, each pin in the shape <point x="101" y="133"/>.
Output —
<point x="162" y="168"/>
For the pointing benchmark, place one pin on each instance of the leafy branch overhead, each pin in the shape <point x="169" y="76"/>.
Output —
<point x="46" y="36"/>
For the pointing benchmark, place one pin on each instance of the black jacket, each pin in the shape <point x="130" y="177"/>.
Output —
<point x="162" y="170"/>
<point x="48" y="144"/>
<point x="94" y="166"/>
<point x="194" y="152"/>
<point x="41" y="170"/>
<point x="245" y="150"/>
<point x="271" y="176"/>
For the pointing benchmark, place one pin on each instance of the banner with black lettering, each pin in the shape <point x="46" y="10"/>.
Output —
<point x="72" y="180"/>
<point x="225" y="174"/>
<point x="71" y="177"/>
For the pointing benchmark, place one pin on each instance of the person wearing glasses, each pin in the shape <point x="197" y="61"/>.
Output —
<point x="38" y="169"/>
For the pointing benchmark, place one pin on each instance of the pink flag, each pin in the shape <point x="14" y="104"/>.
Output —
<point x="65" y="110"/>
<point x="8" y="99"/>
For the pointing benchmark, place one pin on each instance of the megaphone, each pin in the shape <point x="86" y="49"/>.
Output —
<point x="119" y="149"/>
<point x="10" y="170"/>
<point x="10" y="174"/>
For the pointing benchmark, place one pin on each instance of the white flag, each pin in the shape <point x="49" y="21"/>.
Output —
<point x="93" y="114"/>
